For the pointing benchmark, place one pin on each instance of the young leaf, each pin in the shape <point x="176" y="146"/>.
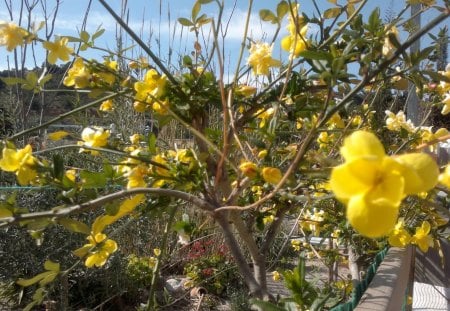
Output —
<point x="268" y="16"/>
<point x="185" y="22"/>
<point x="93" y="179"/>
<point x="282" y="9"/>
<point x="58" y="167"/>
<point x="33" y="280"/>
<point x="98" y="33"/>
<point x="84" y="35"/>
<point x="332" y="13"/>
<point x="195" y="10"/>
<point x="51" y="266"/>
<point x="74" y="225"/>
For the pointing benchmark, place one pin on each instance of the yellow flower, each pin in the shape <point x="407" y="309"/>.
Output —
<point x="272" y="175"/>
<point x="107" y="105"/>
<point x="260" y="58"/>
<point x="136" y="138"/>
<point x="58" y="50"/>
<point x="336" y="121"/>
<point x="262" y="154"/>
<point x="295" y="42"/>
<point x="264" y="115"/>
<point x="94" y="137"/>
<point x="153" y="86"/>
<point x="109" y="76"/>
<point x="78" y="75"/>
<point x="21" y="162"/>
<point x="71" y="175"/>
<point x="446" y="102"/>
<point x="444" y="178"/>
<point x="396" y="122"/>
<point x="97" y="250"/>
<point x="249" y="169"/>
<point x="136" y="177"/>
<point x="373" y="184"/>
<point x="157" y="252"/>
<point x="422" y="238"/>
<point x="160" y="107"/>
<point x="11" y="35"/>
<point x="399" y="237"/>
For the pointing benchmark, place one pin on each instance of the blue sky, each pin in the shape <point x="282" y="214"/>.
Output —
<point x="155" y="20"/>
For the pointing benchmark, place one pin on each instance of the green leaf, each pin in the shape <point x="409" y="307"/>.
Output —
<point x="74" y="225"/>
<point x="187" y="61"/>
<point x="374" y="20"/>
<point x="51" y="266"/>
<point x="195" y="10"/>
<point x="58" y="166"/>
<point x="152" y="143"/>
<point x="268" y="16"/>
<point x="48" y="278"/>
<point x="282" y="9"/>
<point x="316" y="55"/>
<point x="45" y="79"/>
<point x="5" y="212"/>
<point x="112" y="208"/>
<point x="13" y="81"/>
<point x="84" y="35"/>
<point x="33" y="280"/>
<point x="73" y="39"/>
<point x="93" y="179"/>
<point x="332" y="13"/>
<point x="31" y="81"/>
<point x="97" y="34"/>
<point x="185" y="22"/>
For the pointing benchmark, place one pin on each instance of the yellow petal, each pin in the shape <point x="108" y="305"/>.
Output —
<point x="9" y="161"/>
<point x="372" y="219"/>
<point x="362" y="143"/>
<point x="420" y="172"/>
<point x="271" y="175"/>
<point x="57" y="135"/>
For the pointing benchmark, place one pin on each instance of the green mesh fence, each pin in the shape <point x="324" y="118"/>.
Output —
<point x="359" y="289"/>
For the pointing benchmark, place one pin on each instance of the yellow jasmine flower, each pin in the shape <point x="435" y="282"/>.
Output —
<point x="78" y="75"/>
<point x="422" y="238"/>
<point x="264" y="115"/>
<point x="373" y="184"/>
<point x="446" y="102"/>
<point x="94" y="137"/>
<point x="153" y="86"/>
<point x="262" y="154"/>
<point x="58" y="50"/>
<point x="108" y="76"/>
<point x="399" y="237"/>
<point x="336" y="121"/>
<point x="161" y="159"/>
<point x="157" y="252"/>
<point x="160" y="107"/>
<point x="268" y="219"/>
<point x="324" y="139"/>
<point x="136" y="177"/>
<point x="21" y="161"/>
<point x="249" y="169"/>
<point x="272" y="175"/>
<point x="396" y="122"/>
<point x="107" y="105"/>
<point x="97" y="250"/>
<point x="295" y="42"/>
<point x="11" y="35"/>
<point x="444" y="178"/>
<point x="135" y="138"/>
<point x="260" y="58"/>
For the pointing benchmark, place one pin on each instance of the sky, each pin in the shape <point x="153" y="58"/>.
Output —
<point x="155" y="21"/>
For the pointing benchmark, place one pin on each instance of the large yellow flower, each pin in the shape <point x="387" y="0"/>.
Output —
<point x="11" y="35"/>
<point x="373" y="184"/>
<point x="21" y="161"/>
<point x="444" y="178"/>
<point x="260" y="58"/>
<point x="272" y="175"/>
<point x="58" y="50"/>
<point x="249" y="169"/>
<point x="97" y="251"/>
